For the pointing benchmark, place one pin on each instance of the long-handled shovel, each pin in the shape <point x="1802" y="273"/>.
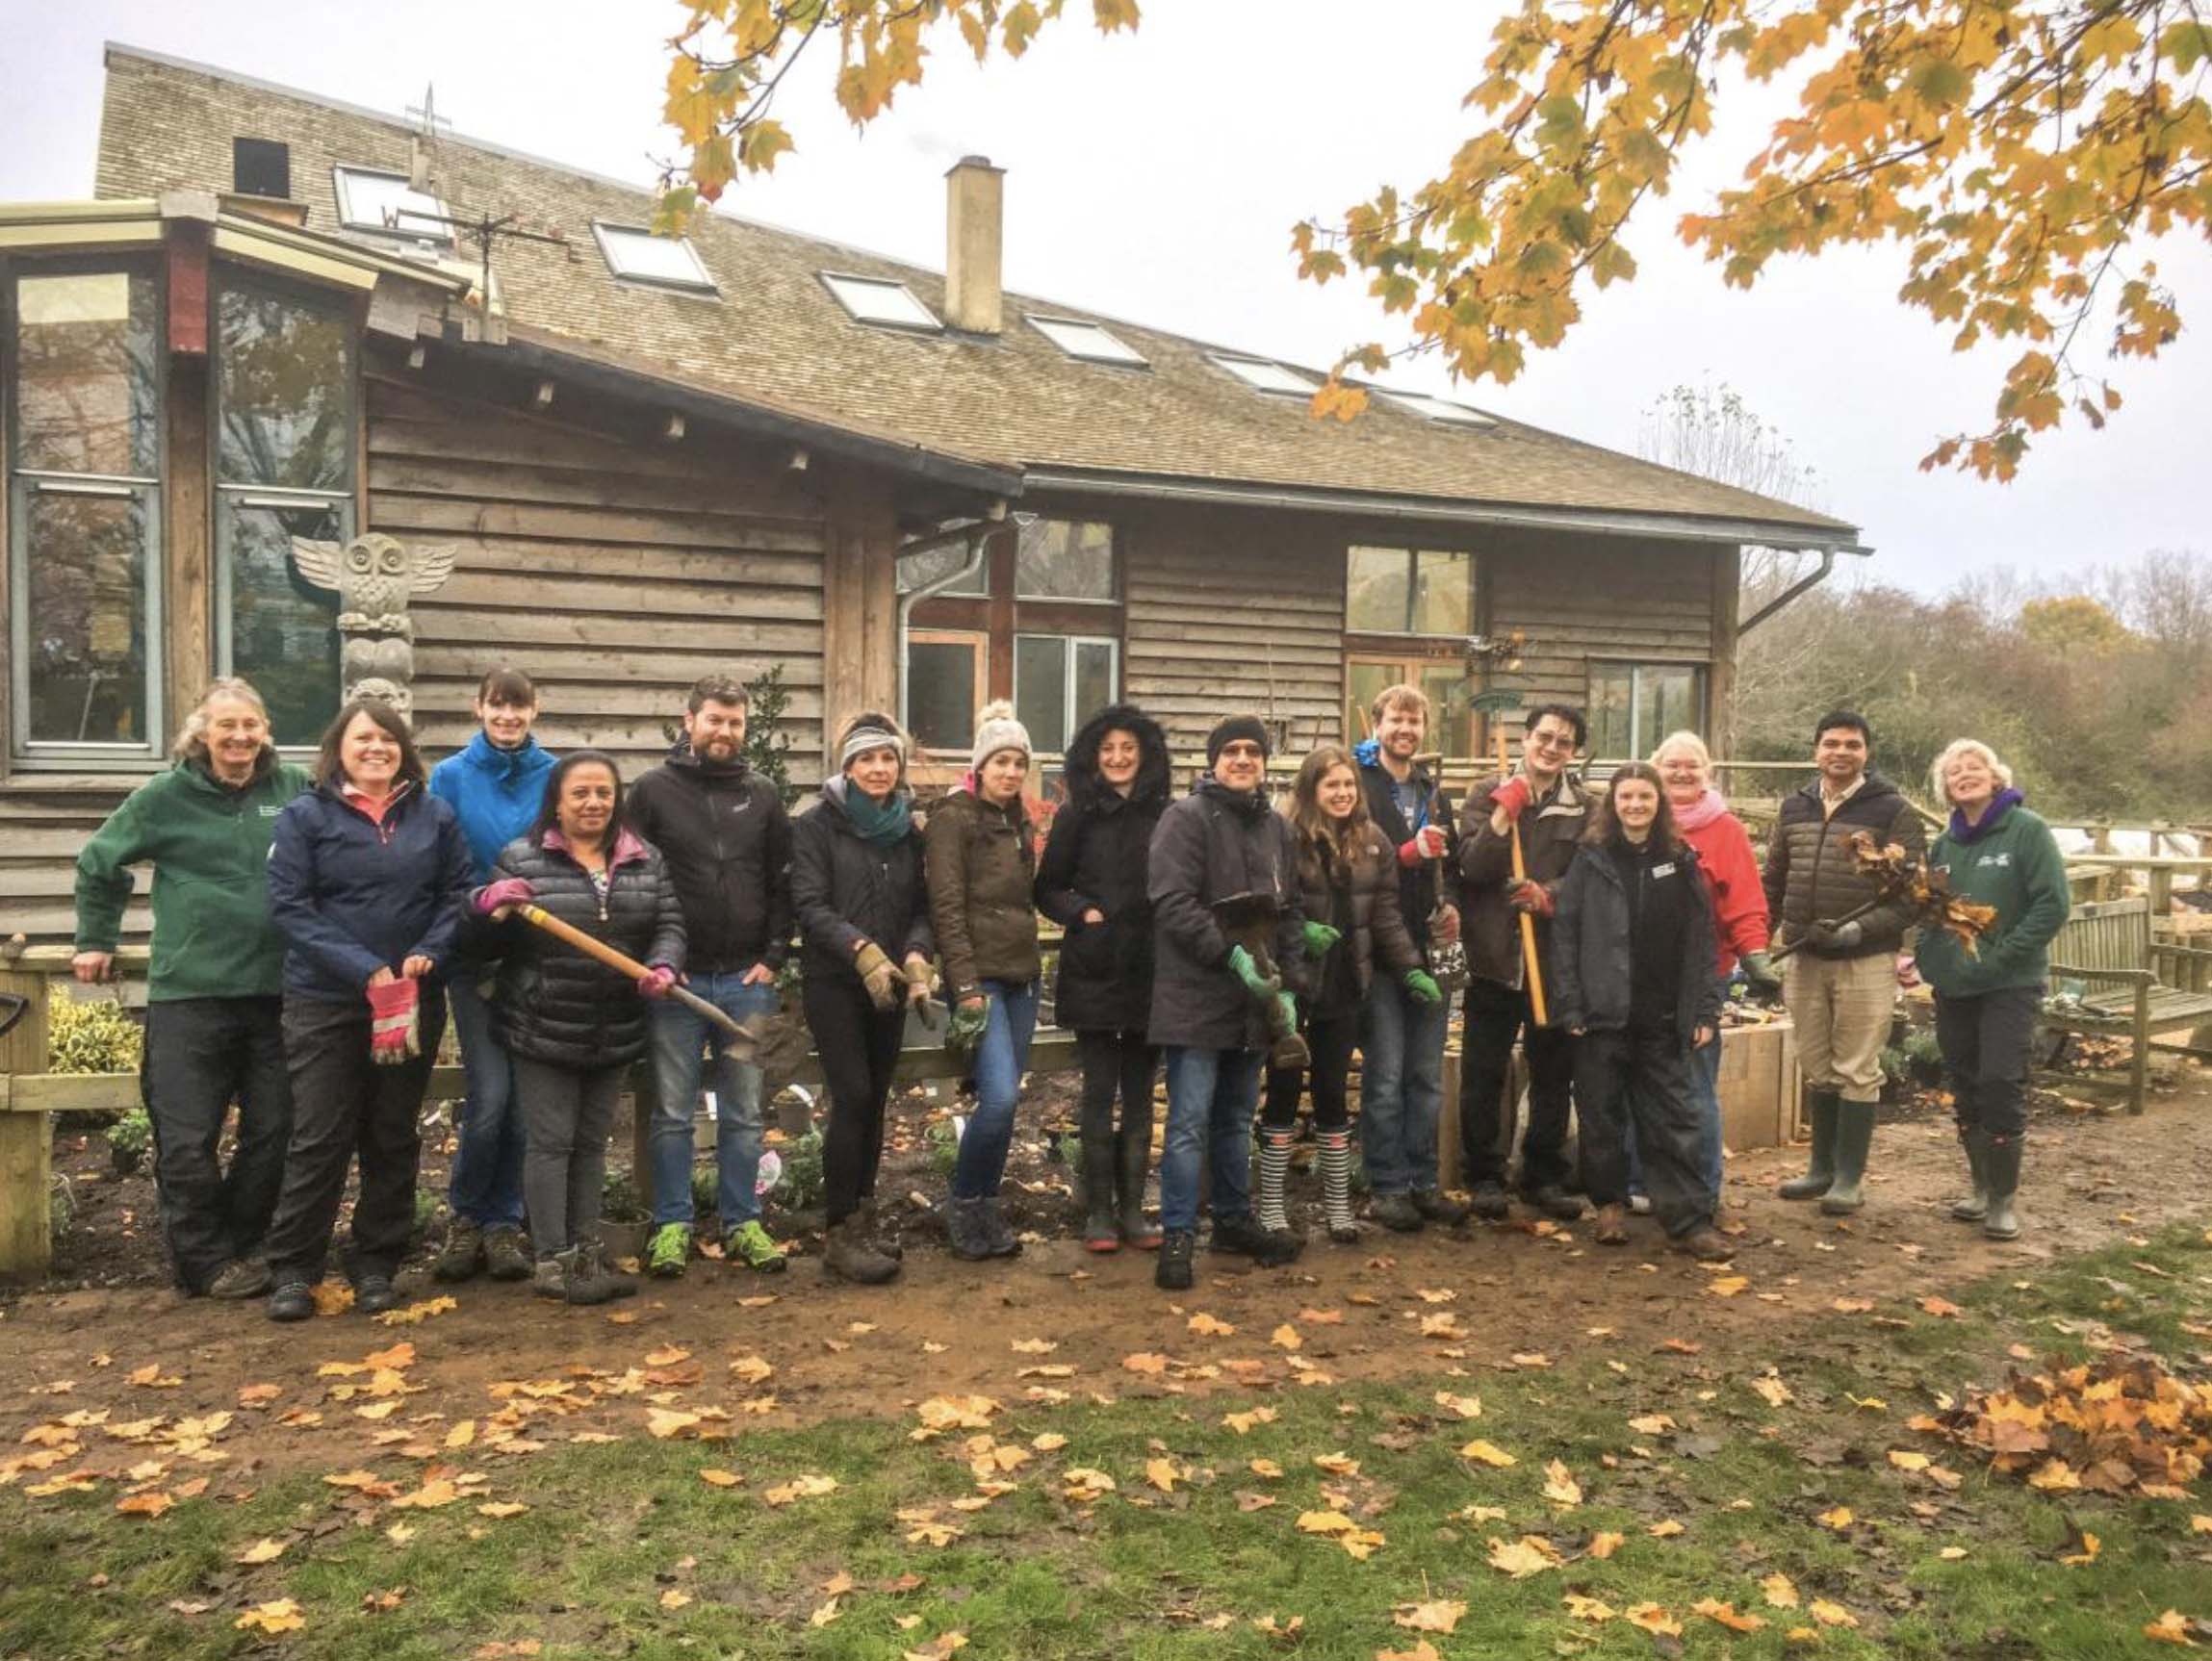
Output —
<point x="1535" y="969"/>
<point x="744" y="1034"/>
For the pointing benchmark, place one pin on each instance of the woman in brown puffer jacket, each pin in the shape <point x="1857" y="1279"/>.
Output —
<point x="1347" y="875"/>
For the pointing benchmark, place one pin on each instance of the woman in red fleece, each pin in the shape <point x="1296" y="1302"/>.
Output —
<point x="1739" y="907"/>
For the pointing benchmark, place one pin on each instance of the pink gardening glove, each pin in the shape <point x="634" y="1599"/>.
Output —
<point x="395" y="1031"/>
<point x="656" y="982"/>
<point x="506" y="891"/>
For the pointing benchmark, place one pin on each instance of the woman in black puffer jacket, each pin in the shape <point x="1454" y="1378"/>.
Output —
<point x="573" y="1025"/>
<point x="1091" y="881"/>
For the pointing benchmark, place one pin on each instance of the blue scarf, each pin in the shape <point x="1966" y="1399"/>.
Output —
<point x="880" y="823"/>
<point x="2001" y="804"/>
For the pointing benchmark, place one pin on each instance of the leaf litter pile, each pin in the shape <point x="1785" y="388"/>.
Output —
<point x="2121" y="1424"/>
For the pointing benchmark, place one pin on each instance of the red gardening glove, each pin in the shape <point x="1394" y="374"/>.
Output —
<point x="656" y="982"/>
<point x="1513" y="798"/>
<point x="1427" y="843"/>
<point x="1533" y="898"/>
<point x="506" y="891"/>
<point x="395" y="1022"/>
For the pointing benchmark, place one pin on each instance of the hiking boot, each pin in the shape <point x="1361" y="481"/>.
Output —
<point x="997" y="1233"/>
<point x="1269" y="1248"/>
<point x="549" y="1277"/>
<point x="580" y="1281"/>
<point x="292" y="1301"/>
<point x="241" y="1277"/>
<point x="1554" y="1202"/>
<point x="1490" y="1202"/>
<point x="748" y="1243"/>
<point x="1976" y="1204"/>
<point x="607" y="1281"/>
<point x="508" y="1254"/>
<point x="1854" y="1140"/>
<point x="878" y="1228"/>
<point x="374" y="1294"/>
<point x="463" y="1255"/>
<point x="1820" y="1173"/>
<point x="1613" y="1225"/>
<point x="1439" y="1207"/>
<point x="2002" y="1161"/>
<point x="965" y="1229"/>
<point x="848" y="1254"/>
<point x="1705" y="1243"/>
<point x="1173" y="1273"/>
<point x="668" y="1251"/>
<point x="1397" y="1212"/>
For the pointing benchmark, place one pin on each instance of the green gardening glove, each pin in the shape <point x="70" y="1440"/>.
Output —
<point x="1319" y="937"/>
<point x="1422" y="986"/>
<point x="965" y="1030"/>
<point x="1286" y="1013"/>
<point x="1259" y="986"/>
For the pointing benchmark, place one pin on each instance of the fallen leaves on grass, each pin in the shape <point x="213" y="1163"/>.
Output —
<point x="1831" y="1614"/>
<point x="1462" y="1406"/>
<point x="1727" y="1285"/>
<point x="1242" y="1423"/>
<point x="148" y="1505"/>
<point x="1652" y="1619"/>
<point x="1208" y="1326"/>
<point x="939" y="1647"/>
<point x="1839" y="1518"/>
<point x="1559" y="1485"/>
<point x="1726" y="1614"/>
<point x="1441" y="1615"/>
<point x="282" y="1615"/>
<point x="1530" y="1554"/>
<point x="1779" y="1591"/>
<point x="415" y="1314"/>
<point x="811" y="1486"/>
<point x="1771" y="1389"/>
<point x="1286" y="1336"/>
<point x="1146" y="1362"/>
<point x="1084" y="1484"/>
<point x="1942" y="1309"/>
<point x="1487" y="1453"/>
<point x="2116" y="1425"/>
<point x="2171" y="1628"/>
<point x="1590" y="1609"/>
<point x="261" y="1551"/>
<point x="1421" y="1651"/>
<point x="1606" y="1542"/>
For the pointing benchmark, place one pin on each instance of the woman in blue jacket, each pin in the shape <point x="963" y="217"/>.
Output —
<point x="366" y="874"/>
<point x="495" y="787"/>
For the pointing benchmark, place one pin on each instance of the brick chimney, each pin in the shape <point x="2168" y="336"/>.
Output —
<point x="975" y="202"/>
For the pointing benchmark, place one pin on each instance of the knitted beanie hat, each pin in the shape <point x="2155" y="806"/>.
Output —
<point x="1236" y="728"/>
<point x="871" y="730"/>
<point x="996" y="729"/>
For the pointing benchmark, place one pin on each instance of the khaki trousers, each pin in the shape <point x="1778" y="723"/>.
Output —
<point x="1842" y="1008"/>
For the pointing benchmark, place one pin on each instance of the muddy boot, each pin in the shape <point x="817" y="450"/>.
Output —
<point x="1976" y="1204"/>
<point x="609" y="1279"/>
<point x="997" y="1233"/>
<point x="1854" y="1138"/>
<point x="506" y="1254"/>
<point x="965" y="1230"/>
<point x="1275" y="1167"/>
<point x="878" y="1230"/>
<point x="2001" y="1162"/>
<point x="1705" y="1243"/>
<point x="1173" y="1273"/>
<point x="583" y="1283"/>
<point x="463" y="1255"/>
<point x="1132" y="1152"/>
<point x="848" y="1254"/>
<point x="1100" y="1232"/>
<point x="1821" y="1172"/>
<point x="549" y="1276"/>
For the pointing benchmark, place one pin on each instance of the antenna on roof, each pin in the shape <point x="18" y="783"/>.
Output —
<point x="423" y="143"/>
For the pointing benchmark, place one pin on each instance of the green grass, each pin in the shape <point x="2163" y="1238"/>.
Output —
<point x="612" y="1527"/>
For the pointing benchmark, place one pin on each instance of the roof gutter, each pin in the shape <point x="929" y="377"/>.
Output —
<point x="973" y="532"/>
<point x="1803" y="586"/>
<point x="1600" y="522"/>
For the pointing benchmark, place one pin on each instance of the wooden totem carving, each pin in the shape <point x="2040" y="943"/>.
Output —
<point x="375" y="576"/>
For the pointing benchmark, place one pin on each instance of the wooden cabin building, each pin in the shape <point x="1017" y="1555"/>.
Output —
<point x="746" y="450"/>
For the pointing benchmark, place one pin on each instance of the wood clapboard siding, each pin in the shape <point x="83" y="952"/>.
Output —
<point x="42" y="825"/>
<point x="614" y="574"/>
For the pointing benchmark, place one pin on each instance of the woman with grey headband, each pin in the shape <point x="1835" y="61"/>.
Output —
<point x="857" y="886"/>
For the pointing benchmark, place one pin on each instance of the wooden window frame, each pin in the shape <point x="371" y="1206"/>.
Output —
<point x="1701" y="666"/>
<point x="1395" y="639"/>
<point x="1391" y="652"/>
<point x="978" y="638"/>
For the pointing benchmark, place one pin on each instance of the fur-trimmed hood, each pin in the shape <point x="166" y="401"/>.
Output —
<point x="1154" y="769"/>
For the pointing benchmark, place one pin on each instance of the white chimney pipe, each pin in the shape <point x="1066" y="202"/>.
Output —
<point x="975" y="208"/>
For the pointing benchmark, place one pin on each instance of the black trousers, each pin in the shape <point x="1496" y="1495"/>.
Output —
<point x="859" y="1045"/>
<point x="346" y="1107"/>
<point x="1117" y="1064"/>
<point x="1496" y="1016"/>
<point x="1627" y="1076"/>
<point x="1331" y="1040"/>
<point x="201" y="1055"/>
<point x="1985" y="1042"/>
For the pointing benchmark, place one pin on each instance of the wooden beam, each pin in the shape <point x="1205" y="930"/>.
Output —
<point x="188" y="566"/>
<point x="26" y="1228"/>
<point x="187" y="273"/>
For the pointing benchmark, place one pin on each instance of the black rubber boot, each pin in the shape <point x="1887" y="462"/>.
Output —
<point x="1173" y="1273"/>
<point x="2002" y="1161"/>
<point x="1102" y="1233"/>
<point x="1132" y="1153"/>
<point x="1976" y="1204"/>
<point x="849" y="1254"/>
<point x="1821" y="1174"/>
<point x="1854" y="1138"/>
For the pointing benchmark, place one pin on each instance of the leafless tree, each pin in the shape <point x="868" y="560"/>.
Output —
<point x="1708" y="431"/>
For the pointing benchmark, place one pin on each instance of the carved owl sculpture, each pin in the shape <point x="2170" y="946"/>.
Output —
<point x="373" y="577"/>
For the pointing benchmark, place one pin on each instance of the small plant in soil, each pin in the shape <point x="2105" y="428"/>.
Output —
<point x="944" y="1142"/>
<point x="801" y="1187"/>
<point x="93" y="1035"/>
<point x="130" y="1140"/>
<point x="1923" y="1057"/>
<point x="620" y="1201"/>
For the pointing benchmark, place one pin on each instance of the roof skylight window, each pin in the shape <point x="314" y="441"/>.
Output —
<point x="1267" y="377"/>
<point x="880" y="300"/>
<point x="1088" y="341"/>
<point x="386" y="203"/>
<point x="665" y="262"/>
<point x="1440" y="410"/>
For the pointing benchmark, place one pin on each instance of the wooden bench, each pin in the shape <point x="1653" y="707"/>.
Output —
<point x="2160" y="988"/>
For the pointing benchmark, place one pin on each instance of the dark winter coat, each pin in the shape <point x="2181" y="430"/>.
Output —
<point x="1592" y="972"/>
<point x="1420" y="885"/>
<point x="1811" y="876"/>
<point x="982" y="866"/>
<point x="1551" y="833"/>
<point x="1215" y="844"/>
<point x="846" y="889"/>
<point x="727" y="841"/>
<point x="553" y="1004"/>
<point x="351" y="896"/>
<point x="1096" y="857"/>
<point x="1378" y="929"/>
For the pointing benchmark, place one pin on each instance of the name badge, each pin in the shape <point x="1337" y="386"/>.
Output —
<point x="1666" y="869"/>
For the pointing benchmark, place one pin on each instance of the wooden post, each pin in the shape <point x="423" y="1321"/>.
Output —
<point x="2139" y="1065"/>
<point x="26" y="1228"/>
<point x="2161" y="890"/>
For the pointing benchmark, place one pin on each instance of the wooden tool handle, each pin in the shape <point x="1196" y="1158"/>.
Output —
<point x="1538" y="1005"/>
<point x="591" y="946"/>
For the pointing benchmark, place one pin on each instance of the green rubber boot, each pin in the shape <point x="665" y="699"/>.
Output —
<point x="1854" y="1137"/>
<point x="2003" y="1165"/>
<point x="1976" y="1204"/>
<point x="1822" y="1170"/>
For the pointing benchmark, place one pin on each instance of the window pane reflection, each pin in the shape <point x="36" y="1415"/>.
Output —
<point x="86" y="607"/>
<point x="86" y="385"/>
<point x="283" y="631"/>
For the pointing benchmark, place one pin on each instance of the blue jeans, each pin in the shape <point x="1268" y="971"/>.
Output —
<point x="1211" y="1097"/>
<point x="486" y="1184"/>
<point x="1401" y="1087"/>
<point x="680" y="1039"/>
<point x="1001" y="1058"/>
<point x="1705" y="1095"/>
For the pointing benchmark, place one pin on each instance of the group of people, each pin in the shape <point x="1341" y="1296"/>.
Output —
<point x="313" y="926"/>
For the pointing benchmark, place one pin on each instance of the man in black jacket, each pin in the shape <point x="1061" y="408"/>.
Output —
<point x="722" y="829"/>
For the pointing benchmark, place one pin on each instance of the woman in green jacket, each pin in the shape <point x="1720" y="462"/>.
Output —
<point x="1998" y="853"/>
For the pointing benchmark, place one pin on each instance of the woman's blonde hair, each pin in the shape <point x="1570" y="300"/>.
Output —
<point x="1687" y="740"/>
<point x="1938" y="780"/>
<point x="191" y="736"/>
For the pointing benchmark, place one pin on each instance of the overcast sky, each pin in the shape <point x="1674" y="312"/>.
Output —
<point x="1156" y="177"/>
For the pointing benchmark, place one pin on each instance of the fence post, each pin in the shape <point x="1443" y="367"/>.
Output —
<point x="26" y="1225"/>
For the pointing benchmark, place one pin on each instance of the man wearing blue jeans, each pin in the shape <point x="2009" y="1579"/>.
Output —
<point x="726" y="841"/>
<point x="1221" y="864"/>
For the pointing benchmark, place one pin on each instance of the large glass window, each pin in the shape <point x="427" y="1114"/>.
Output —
<point x="1408" y="591"/>
<point x="81" y="359"/>
<point x="1633" y="705"/>
<point x="945" y="687"/>
<point x="284" y="467"/>
<point x="1060" y="681"/>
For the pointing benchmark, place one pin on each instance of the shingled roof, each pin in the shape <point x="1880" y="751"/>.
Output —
<point x="775" y="337"/>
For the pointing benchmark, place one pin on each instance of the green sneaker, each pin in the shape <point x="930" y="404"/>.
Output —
<point x="668" y="1251"/>
<point x="748" y="1243"/>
